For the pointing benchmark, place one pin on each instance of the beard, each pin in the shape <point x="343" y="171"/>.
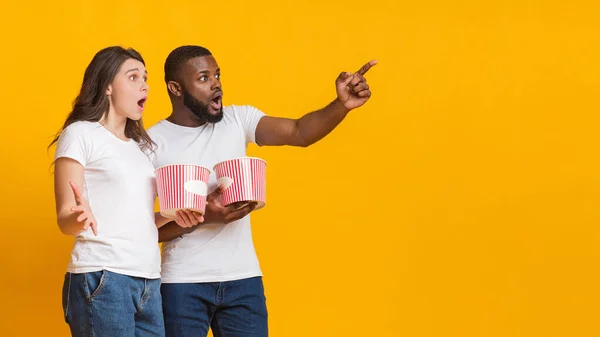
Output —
<point x="199" y="109"/>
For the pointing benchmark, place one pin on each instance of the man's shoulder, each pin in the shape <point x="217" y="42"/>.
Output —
<point x="237" y="108"/>
<point x="156" y="128"/>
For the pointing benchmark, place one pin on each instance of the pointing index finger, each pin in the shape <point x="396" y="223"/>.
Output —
<point x="363" y="70"/>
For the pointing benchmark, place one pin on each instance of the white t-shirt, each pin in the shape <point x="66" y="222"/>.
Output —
<point x="119" y="185"/>
<point x="214" y="252"/>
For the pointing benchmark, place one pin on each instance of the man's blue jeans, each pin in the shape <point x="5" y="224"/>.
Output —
<point x="231" y="309"/>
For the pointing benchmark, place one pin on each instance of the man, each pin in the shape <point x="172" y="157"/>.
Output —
<point x="210" y="273"/>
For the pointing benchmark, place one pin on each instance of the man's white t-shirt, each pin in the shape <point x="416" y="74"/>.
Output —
<point x="214" y="252"/>
<point x="119" y="185"/>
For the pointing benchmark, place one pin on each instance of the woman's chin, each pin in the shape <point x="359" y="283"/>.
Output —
<point x="136" y="116"/>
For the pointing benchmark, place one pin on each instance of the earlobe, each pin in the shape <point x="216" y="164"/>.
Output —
<point x="174" y="88"/>
<point x="108" y="90"/>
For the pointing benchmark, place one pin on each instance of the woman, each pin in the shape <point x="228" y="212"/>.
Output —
<point x="105" y="192"/>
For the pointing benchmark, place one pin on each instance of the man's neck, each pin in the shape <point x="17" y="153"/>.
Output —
<point x="184" y="118"/>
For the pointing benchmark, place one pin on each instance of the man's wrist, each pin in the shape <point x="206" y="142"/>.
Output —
<point x="339" y="106"/>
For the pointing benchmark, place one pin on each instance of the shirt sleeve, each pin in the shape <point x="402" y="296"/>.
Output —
<point x="73" y="143"/>
<point x="249" y="116"/>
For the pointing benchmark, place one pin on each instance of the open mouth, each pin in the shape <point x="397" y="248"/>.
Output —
<point x="217" y="101"/>
<point x="142" y="102"/>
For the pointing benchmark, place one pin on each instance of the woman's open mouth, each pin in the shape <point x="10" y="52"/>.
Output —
<point x="142" y="102"/>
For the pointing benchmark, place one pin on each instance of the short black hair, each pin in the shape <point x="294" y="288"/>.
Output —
<point x="179" y="56"/>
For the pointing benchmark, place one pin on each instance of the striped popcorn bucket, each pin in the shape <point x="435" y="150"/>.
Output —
<point x="181" y="187"/>
<point x="244" y="179"/>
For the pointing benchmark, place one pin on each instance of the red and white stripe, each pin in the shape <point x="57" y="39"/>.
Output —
<point x="248" y="176"/>
<point x="172" y="196"/>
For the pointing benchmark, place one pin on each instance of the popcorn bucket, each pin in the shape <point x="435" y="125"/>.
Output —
<point x="243" y="179"/>
<point x="182" y="186"/>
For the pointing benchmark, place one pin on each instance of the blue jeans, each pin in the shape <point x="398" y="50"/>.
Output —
<point x="231" y="309"/>
<point x="104" y="303"/>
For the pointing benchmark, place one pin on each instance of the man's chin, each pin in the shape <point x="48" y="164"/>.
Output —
<point x="214" y="116"/>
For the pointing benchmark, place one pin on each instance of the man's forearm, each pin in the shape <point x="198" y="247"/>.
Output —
<point x="315" y="125"/>
<point x="172" y="230"/>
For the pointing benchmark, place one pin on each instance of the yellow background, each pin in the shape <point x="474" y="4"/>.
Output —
<point x="462" y="200"/>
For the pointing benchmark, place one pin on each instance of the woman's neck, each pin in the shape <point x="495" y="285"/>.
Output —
<point x="115" y="124"/>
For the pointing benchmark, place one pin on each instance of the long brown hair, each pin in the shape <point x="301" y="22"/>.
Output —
<point x="92" y="102"/>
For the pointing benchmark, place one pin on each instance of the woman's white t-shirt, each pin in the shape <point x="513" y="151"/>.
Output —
<point x="119" y="185"/>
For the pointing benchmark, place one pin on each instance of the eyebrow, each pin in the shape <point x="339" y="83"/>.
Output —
<point x="135" y="69"/>
<point x="206" y="71"/>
